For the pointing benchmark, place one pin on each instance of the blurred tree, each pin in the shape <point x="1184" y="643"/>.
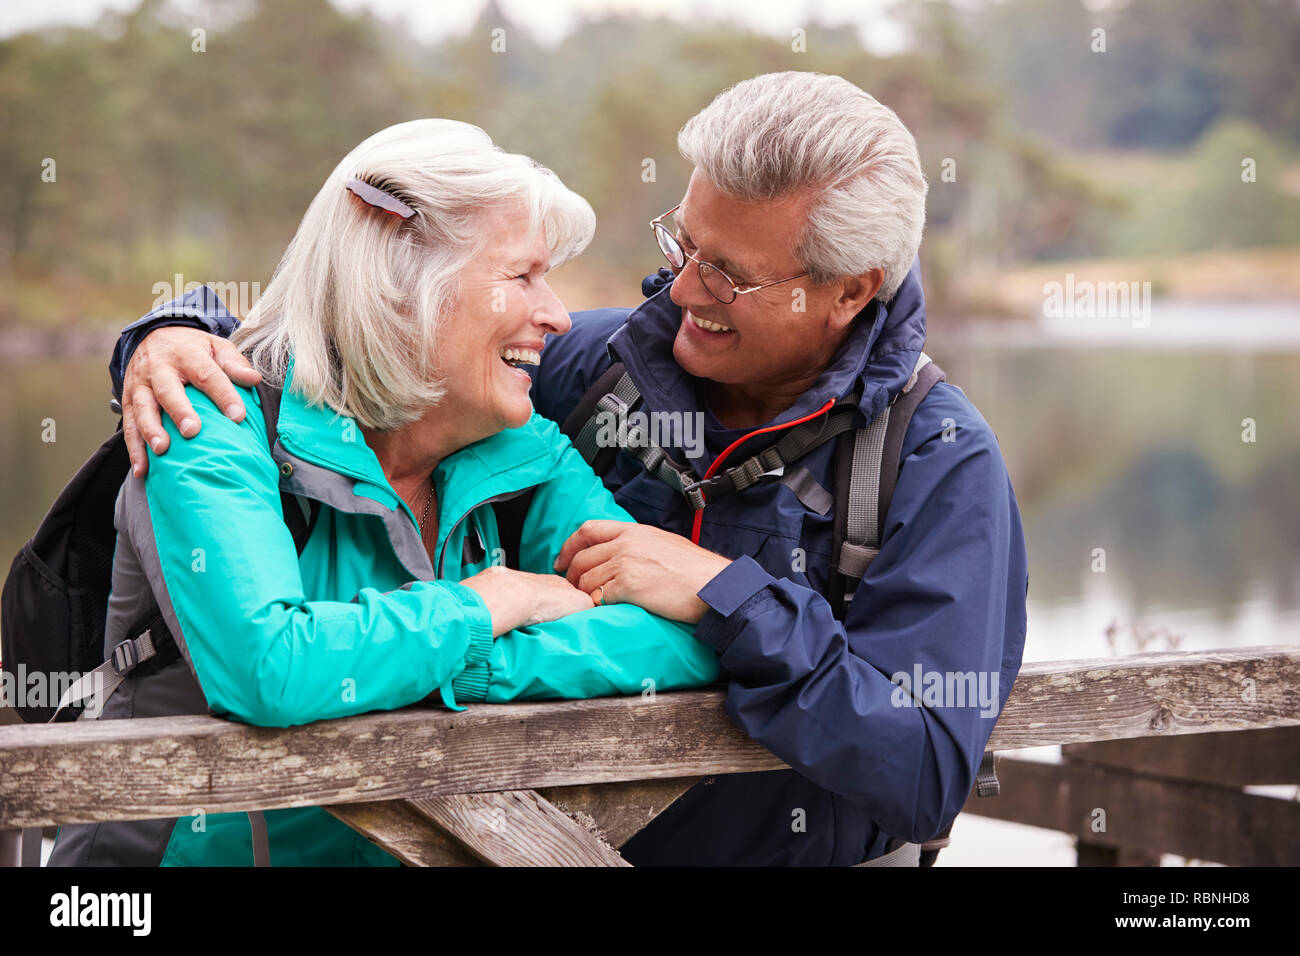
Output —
<point x="1237" y="198"/>
<point x="1170" y="67"/>
<point x="170" y="159"/>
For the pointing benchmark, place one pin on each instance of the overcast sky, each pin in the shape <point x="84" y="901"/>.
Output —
<point x="430" y="20"/>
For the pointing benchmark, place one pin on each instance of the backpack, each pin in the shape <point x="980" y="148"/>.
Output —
<point x="54" y="604"/>
<point x="866" y="468"/>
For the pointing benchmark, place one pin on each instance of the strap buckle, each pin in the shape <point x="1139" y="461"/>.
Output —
<point x="770" y="458"/>
<point x="854" y="559"/>
<point x="132" y="651"/>
<point x="612" y="403"/>
<point x="125" y="656"/>
<point x="986" y="781"/>
<point x="746" y="473"/>
<point x="694" y="493"/>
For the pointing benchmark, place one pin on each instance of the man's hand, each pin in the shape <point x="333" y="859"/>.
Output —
<point x="638" y="564"/>
<point x="164" y="363"/>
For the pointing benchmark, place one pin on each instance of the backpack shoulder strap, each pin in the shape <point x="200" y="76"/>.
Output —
<point x="609" y="402"/>
<point x="300" y="525"/>
<point x="924" y="377"/>
<point x="611" y="390"/>
<point x="866" y="473"/>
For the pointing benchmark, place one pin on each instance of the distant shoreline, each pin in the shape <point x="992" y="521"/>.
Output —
<point x="20" y="344"/>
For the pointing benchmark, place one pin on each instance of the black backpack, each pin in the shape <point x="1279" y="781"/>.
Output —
<point x="55" y="599"/>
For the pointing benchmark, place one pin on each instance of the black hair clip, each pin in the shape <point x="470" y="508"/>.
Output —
<point x="380" y="199"/>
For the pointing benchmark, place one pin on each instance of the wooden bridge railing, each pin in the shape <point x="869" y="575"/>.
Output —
<point x="567" y="782"/>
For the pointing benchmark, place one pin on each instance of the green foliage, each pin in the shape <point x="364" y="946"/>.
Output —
<point x="169" y="159"/>
<point x="1237" y="198"/>
<point x="1169" y="71"/>
<point x="1229" y="191"/>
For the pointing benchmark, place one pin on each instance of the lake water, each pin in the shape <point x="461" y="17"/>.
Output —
<point x="1125" y="447"/>
<point x="1130" y="439"/>
<point x="1157" y="471"/>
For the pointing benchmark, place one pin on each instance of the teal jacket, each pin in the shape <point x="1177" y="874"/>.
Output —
<point x="361" y="620"/>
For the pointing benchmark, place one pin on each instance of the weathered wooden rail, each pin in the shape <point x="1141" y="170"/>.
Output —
<point x="568" y="782"/>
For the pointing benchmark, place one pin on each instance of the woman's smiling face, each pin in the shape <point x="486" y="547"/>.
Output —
<point x="505" y="311"/>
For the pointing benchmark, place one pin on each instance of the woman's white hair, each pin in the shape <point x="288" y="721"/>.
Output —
<point x="359" y="296"/>
<point x="783" y="133"/>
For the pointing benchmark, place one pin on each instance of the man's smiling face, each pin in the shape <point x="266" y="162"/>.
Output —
<point x="779" y="338"/>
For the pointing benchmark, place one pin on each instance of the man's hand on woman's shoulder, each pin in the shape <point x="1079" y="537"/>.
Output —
<point x="166" y="361"/>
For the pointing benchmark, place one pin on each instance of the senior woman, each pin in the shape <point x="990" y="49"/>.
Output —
<point x="397" y="326"/>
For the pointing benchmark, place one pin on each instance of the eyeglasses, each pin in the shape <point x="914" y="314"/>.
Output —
<point x="717" y="282"/>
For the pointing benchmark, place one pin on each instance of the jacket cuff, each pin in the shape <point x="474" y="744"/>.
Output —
<point x="726" y="594"/>
<point x="471" y="684"/>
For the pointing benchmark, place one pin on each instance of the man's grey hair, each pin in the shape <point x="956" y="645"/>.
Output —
<point x="784" y="133"/>
<point x="360" y="294"/>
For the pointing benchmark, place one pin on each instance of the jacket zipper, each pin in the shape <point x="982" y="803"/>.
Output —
<point x="442" y="553"/>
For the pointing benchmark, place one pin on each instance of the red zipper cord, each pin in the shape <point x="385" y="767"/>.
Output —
<point x="713" y="468"/>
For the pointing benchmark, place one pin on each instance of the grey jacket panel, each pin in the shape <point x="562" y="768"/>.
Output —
<point x="137" y="572"/>
<point x="335" y="490"/>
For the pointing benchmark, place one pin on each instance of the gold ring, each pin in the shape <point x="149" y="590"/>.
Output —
<point x="601" y="589"/>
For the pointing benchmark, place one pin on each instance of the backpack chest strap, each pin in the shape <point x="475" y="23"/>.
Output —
<point x="617" y="397"/>
<point x="772" y="461"/>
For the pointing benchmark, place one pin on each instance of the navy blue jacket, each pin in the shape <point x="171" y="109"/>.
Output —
<point x="946" y="595"/>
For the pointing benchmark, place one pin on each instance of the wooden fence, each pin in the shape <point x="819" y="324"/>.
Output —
<point x="1161" y="743"/>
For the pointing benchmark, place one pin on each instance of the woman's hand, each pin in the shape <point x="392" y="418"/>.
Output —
<point x="642" y="565"/>
<point x="163" y="364"/>
<point x="519" y="598"/>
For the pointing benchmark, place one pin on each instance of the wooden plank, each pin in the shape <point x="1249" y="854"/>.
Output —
<point x="1236" y="759"/>
<point x="1147" y="814"/>
<point x="613" y="812"/>
<point x="395" y="826"/>
<point x="516" y="828"/>
<point x="155" y="767"/>
<point x="151" y="767"/>
<point x="11" y="847"/>
<point x="616" y="812"/>
<point x="1151" y="695"/>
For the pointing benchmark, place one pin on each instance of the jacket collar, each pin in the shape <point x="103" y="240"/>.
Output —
<point x="500" y="464"/>
<point x="201" y="303"/>
<point x="877" y="357"/>
<point x="320" y="435"/>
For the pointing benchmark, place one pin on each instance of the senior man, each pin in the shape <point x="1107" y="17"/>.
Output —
<point x="792" y="295"/>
